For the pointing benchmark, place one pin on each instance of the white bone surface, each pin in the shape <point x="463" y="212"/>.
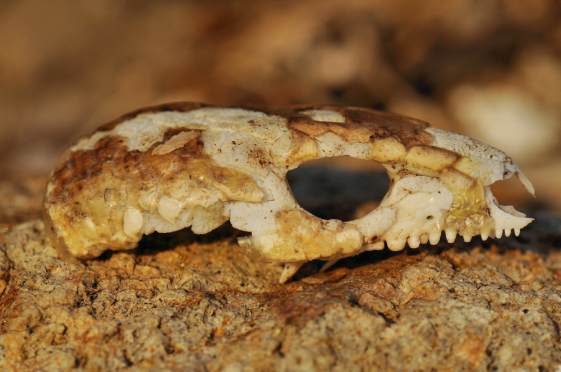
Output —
<point x="193" y="165"/>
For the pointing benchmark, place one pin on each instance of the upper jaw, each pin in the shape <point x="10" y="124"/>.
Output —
<point x="506" y="218"/>
<point x="459" y="201"/>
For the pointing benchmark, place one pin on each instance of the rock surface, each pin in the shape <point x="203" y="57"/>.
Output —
<point x="186" y="302"/>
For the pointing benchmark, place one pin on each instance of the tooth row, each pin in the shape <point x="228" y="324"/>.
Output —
<point x="415" y="241"/>
<point x="499" y="232"/>
<point x="434" y="238"/>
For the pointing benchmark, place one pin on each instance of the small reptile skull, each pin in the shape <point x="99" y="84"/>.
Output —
<point x="173" y="166"/>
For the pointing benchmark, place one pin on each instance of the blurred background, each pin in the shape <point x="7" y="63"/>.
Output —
<point x="490" y="69"/>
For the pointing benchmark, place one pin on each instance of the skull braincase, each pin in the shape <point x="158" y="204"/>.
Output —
<point x="169" y="167"/>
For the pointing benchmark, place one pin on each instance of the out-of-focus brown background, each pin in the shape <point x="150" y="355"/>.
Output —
<point x="489" y="69"/>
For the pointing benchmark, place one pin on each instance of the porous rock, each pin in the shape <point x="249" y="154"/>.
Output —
<point x="186" y="302"/>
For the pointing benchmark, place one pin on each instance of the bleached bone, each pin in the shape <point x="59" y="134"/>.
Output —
<point x="169" y="167"/>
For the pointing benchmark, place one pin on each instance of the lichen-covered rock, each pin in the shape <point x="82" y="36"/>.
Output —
<point x="186" y="302"/>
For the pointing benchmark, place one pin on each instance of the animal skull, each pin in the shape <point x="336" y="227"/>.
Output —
<point x="173" y="166"/>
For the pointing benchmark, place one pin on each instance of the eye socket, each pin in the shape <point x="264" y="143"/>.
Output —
<point x="511" y="192"/>
<point x="341" y="188"/>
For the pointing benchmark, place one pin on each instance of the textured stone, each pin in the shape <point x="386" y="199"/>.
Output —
<point x="187" y="302"/>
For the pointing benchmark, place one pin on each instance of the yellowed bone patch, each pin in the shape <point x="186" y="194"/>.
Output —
<point x="388" y="150"/>
<point x="305" y="237"/>
<point x="237" y="185"/>
<point x="303" y="148"/>
<point x="430" y="157"/>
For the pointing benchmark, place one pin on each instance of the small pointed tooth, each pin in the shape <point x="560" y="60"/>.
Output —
<point x="516" y="232"/>
<point x="507" y="232"/>
<point x="498" y="233"/>
<point x="484" y="236"/>
<point x="434" y="238"/>
<point x="451" y="235"/>
<point x="396" y="245"/>
<point x="414" y="242"/>
<point x="467" y="238"/>
<point x="327" y="265"/>
<point x="424" y="238"/>
<point x="290" y="268"/>
<point x="526" y="182"/>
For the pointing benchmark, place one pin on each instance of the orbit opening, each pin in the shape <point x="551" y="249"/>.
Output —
<point x="341" y="188"/>
<point x="512" y="192"/>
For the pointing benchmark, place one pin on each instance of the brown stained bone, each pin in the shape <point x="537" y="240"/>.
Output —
<point x="359" y="122"/>
<point x="88" y="181"/>
<point x="361" y="125"/>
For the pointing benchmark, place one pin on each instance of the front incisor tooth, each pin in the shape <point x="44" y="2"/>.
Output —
<point x="434" y="238"/>
<point x="516" y="232"/>
<point x="424" y="238"/>
<point x="413" y="242"/>
<point x="484" y="236"/>
<point x="451" y="236"/>
<point x="498" y="233"/>
<point x="467" y="238"/>
<point x="507" y="232"/>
